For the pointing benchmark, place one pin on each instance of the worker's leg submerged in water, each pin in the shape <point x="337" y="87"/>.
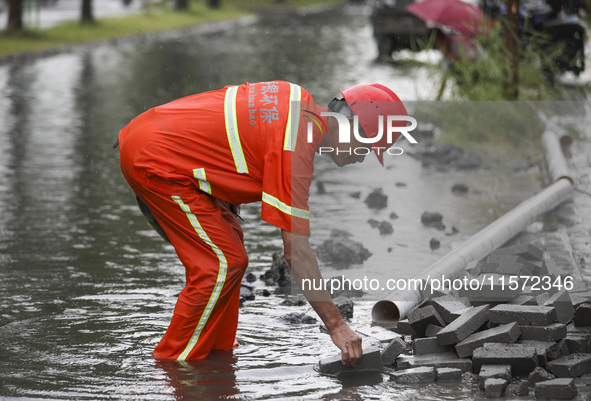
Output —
<point x="209" y="241"/>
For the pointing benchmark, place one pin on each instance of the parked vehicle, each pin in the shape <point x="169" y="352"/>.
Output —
<point x="394" y="28"/>
<point x="551" y="26"/>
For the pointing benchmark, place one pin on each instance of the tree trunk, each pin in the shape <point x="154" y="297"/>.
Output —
<point x="511" y="89"/>
<point x="181" y="4"/>
<point x="214" y="3"/>
<point x="86" y="16"/>
<point x="15" y="15"/>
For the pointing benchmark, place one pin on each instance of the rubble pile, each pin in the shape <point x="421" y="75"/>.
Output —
<point x="376" y="199"/>
<point x="279" y="274"/>
<point x="526" y="330"/>
<point x="341" y="251"/>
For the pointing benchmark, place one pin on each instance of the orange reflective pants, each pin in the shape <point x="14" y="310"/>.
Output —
<point x="209" y="242"/>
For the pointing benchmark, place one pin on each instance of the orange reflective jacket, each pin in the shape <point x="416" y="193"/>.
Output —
<point x="240" y="144"/>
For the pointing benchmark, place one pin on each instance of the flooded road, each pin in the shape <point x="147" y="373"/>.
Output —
<point x="87" y="288"/>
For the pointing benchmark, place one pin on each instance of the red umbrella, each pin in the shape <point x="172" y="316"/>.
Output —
<point x="455" y="14"/>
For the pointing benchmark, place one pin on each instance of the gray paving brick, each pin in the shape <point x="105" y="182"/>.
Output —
<point x="379" y="333"/>
<point x="448" y="374"/>
<point x="432" y="330"/>
<point x="371" y="361"/>
<point x="582" y="316"/>
<point x="393" y="350"/>
<point x="523" y="314"/>
<point x="420" y="318"/>
<point x="495" y="388"/>
<point x="577" y="343"/>
<point x="556" y="389"/>
<point x="562" y="347"/>
<point x="448" y="304"/>
<point x="403" y="327"/>
<point x="546" y="350"/>
<point x="423" y="374"/>
<point x="573" y="365"/>
<point x="539" y="374"/>
<point x="523" y="359"/>
<point x="579" y="298"/>
<point x="493" y="372"/>
<point x="520" y="388"/>
<point x="459" y="313"/>
<point x="429" y="345"/>
<point x="552" y="332"/>
<point x="442" y="360"/>
<point x="563" y="305"/>
<point x="491" y="288"/>
<point x="506" y="333"/>
<point x="463" y="326"/>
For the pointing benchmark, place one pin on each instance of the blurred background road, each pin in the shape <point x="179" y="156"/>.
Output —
<point x="48" y="13"/>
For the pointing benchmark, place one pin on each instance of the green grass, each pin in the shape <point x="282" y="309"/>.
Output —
<point x="477" y="117"/>
<point x="157" y="17"/>
<point x="484" y="78"/>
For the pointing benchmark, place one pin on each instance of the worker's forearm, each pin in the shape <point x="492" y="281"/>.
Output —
<point x="304" y="267"/>
<point x="328" y="312"/>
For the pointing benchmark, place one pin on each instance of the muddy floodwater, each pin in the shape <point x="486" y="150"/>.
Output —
<point x="87" y="288"/>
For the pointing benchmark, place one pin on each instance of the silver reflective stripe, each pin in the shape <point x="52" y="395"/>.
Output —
<point x="293" y="118"/>
<point x="199" y="173"/>
<point x="219" y="284"/>
<point x="232" y="130"/>
<point x="292" y="211"/>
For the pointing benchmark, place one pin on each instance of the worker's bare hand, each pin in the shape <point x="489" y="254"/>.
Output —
<point x="349" y="343"/>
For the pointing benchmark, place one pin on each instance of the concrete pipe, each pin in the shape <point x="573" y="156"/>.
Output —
<point x="399" y="303"/>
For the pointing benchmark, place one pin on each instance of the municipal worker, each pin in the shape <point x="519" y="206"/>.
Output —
<point x="192" y="161"/>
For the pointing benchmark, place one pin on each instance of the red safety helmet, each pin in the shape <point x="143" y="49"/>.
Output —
<point x="368" y="102"/>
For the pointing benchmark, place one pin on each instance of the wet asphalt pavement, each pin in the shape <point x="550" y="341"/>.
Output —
<point x="88" y="288"/>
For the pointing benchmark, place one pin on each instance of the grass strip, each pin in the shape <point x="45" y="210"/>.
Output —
<point x="156" y="17"/>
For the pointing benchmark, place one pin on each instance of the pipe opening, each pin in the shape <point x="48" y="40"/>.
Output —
<point x="385" y="312"/>
<point x="565" y="140"/>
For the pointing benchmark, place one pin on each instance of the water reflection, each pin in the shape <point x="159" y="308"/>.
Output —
<point x="15" y="141"/>
<point x="210" y="379"/>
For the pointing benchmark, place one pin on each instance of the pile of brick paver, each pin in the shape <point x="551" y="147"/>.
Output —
<point x="526" y="331"/>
